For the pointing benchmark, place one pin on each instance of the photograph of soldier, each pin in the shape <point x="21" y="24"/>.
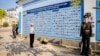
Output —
<point x="90" y="17"/>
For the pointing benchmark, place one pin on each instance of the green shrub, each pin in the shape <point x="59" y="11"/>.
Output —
<point x="5" y="24"/>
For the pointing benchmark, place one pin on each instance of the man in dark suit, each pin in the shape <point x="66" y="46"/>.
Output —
<point x="86" y="33"/>
<point x="16" y="29"/>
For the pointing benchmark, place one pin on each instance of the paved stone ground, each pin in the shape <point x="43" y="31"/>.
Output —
<point x="20" y="47"/>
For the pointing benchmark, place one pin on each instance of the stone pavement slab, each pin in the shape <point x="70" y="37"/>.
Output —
<point x="3" y="53"/>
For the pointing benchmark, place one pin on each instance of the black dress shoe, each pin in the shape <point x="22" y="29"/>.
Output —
<point x="31" y="47"/>
<point x="82" y="54"/>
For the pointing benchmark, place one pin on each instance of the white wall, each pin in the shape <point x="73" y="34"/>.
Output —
<point x="88" y="7"/>
<point x="20" y="10"/>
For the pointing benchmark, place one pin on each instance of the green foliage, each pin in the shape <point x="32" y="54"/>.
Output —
<point x="75" y="2"/>
<point x="2" y="13"/>
<point x="5" y="24"/>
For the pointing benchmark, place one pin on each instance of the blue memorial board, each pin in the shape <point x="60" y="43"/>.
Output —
<point x="60" y="20"/>
<point x="98" y="21"/>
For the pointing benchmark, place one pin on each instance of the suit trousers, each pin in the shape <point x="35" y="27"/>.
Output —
<point x="31" y="40"/>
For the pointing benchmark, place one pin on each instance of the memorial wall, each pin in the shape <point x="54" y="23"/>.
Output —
<point x="61" y="20"/>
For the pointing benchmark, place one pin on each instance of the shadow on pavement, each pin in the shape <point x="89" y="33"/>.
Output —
<point x="17" y="48"/>
<point x="11" y="36"/>
<point x="1" y="37"/>
<point x="74" y="51"/>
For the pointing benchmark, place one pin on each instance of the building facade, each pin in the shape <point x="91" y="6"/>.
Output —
<point x="59" y="19"/>
<point x="12" y="15"/>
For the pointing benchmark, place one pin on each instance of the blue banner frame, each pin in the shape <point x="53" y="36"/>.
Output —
<point x="97" y="21"/>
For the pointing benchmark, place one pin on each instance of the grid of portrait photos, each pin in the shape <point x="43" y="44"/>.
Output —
<point x="58" y="20"/>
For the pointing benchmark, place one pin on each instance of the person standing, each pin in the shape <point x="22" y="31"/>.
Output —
<point x="14" y="29"/>
<point x="31" y="35"/>
<point x="86" y="33"/>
